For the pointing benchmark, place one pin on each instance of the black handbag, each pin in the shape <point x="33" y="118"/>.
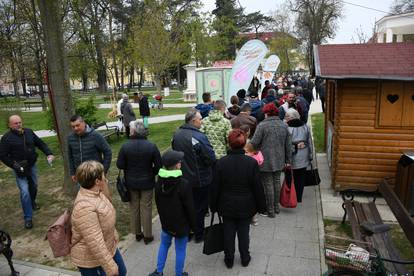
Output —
<point x="122" y="188"/>
<point x="213" y="237"/>
<point x="312" y="177"/>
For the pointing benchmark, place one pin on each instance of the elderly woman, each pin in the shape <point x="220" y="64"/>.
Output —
<point x="94" y="237"/>
<point x="141" y="160"/>
<point x="272" y="138"/>
<point x="127" y="112"/>
<point x="237" y="194"/>
<point x="302" y="149"/>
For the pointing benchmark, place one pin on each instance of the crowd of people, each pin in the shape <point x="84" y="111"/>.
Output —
<point x="224" y="160"/>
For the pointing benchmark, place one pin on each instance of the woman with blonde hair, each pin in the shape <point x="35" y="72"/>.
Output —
<point x="94" y="237"/>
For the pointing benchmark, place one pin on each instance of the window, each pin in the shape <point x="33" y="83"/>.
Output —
<point x="396" y="104"/>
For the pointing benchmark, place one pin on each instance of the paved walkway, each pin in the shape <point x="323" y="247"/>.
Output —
<point x="31" y="269"/>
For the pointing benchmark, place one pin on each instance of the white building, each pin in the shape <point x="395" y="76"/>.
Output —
<point x="395" y="28"/>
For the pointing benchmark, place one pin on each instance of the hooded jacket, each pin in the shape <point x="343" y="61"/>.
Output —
<point x="299" y="131"/>
<point x="199" y="155"/>
<point x="204" y="109"/>
<point x="217" y="128"/>
<point x="127" y="112"/>
<point x="89" y="146"/>
<point x="174" y="199"/>
<point x="17" y="146"/>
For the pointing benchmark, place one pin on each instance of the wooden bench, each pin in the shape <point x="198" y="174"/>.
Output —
<point x="359" y="213"/>
<point x="5" y="249"/>
<point x="108" y="132"/>
<point x="28" y="104"/>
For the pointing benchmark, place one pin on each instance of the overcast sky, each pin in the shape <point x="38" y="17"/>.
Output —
<point x="354" y="16"/>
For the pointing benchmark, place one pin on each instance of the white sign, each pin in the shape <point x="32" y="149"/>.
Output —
<point x="270" y="67"/>
<point x="247" y="61"/>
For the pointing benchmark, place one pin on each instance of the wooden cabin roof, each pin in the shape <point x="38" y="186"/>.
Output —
<point x="393" y="61"/>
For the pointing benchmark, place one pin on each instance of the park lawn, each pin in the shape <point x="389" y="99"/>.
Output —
<point x="38" y="120"/>
<point x="30" y="245"/>
<point x="335" y="228"/>
<point x="318" y="129"/>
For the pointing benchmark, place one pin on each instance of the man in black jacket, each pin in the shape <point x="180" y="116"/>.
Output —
<point x="17" y="151"/>
<point x="199" y="158"/>
<point x="174" y="200"/>
<point x="86" y="144"/>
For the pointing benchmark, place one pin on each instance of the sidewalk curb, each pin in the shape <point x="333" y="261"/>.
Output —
<point x="43" y="267"/>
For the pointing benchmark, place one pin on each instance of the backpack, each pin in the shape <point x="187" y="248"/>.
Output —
<point x="59" y="235"/>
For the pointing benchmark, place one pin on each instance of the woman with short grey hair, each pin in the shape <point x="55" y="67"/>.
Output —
<point x="302" y="149"/>
<point x="141" y="160"/>
<point x="127" y="112"/>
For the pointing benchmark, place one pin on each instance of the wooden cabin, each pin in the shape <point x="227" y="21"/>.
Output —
<point x="369" y="115"/>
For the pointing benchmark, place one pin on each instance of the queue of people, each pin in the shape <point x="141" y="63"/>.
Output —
<point x="226" y="164"/>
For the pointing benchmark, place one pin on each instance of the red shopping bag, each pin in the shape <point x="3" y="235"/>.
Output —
<point x="288" y="193"/>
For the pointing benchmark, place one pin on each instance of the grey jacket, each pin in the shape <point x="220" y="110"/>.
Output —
<point x="90" y="146"/>
<point x="127" y="113"/>
<point x="273" y="139"/>
<point x="301" y="157"/>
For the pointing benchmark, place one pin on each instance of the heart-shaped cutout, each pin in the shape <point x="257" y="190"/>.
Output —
<point x="392" y="98"/>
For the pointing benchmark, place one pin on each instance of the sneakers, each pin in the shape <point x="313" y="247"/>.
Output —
<point x="255" y="220"/>
<point x="139" y="237"/>
<point x="28" y="224"/>
<point x="148" y="240"/>
<point x="155" y="273"/>
<point x="264" y="214"/>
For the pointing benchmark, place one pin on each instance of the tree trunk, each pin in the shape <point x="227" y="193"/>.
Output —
<point x="179" y="77"/>
<point x="122" y="73"/>
<point x="141" y="76"/>
<point x="58" y="75"/>
<point x="14" y="77"/>
<point x="101" y="69"/>
<point x="131" y="77"/>
<point x="84" y="80"/>
<point x="158" y="83"/>
<point x="114" y="63"/>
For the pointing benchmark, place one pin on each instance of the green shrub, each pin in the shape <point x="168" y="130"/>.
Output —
<point x="87" y="110"/>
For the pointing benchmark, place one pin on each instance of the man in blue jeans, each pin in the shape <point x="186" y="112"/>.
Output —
<point x="17" y="151"/>
<point x="173" y="196"/>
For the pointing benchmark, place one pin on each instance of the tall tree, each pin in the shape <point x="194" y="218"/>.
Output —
<point x="316" y="21"/>
<point x="256" y="21"/>
<point x="402" y="6"/>
<point x="227" y="24"/>
<point x="60" y="96"/>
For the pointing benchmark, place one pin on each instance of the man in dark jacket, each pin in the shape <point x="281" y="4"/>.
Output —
<point x="86" y="144"/>
<point x="199" y="158"/>
<point x="141" y="160"/>
<point x="144" y="109"/>
<point x="244" y="118"/>
<point x="128" y="114"/>
<point x="175" y="207"/>
<point x="17" y="151"/>
<point x="206" y="106"/>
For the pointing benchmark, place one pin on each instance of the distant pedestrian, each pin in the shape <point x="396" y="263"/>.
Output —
<point x="321" y="91"/>
<point x="237" y="194"/>
<point x="141" y="160"/>
<point x="205" y="107"/>
<point x="234" y="109"/>
<point x="257" y="106"/>
<point x="302" y="150"/>
<point x="272" y="138"/>
<point x="94" y="237"/>
<point x="144" y="110"/>
<point x="173" y="195"/>
<point x="127" y="112"/>
<point x="217" y="128"/>
<point x="199" y="158"/>
<point x="18" y="152"/>
<point x="241" y="94"/>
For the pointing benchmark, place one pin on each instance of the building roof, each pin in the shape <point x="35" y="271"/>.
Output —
<point x="365" y="61"/>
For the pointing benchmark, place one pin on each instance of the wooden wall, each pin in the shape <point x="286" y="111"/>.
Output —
<point x="366" y="147"/>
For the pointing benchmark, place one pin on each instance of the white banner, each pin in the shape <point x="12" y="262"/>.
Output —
<point x="270" y="68"/>
<point x="247" y="61"/>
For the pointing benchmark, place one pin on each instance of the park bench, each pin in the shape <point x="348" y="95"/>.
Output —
<point x="28" y="104"/>
<point x="360" y="213"/>
<point x="5" y="249"/>
<point x="108" y="131"/>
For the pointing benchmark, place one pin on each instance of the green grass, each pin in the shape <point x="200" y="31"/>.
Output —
<point x="318" y="129"/>
<point x="38" y="120"/>
<point x="29" y="244"/>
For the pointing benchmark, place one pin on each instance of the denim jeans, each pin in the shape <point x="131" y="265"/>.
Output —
<point x="28" y="191"/>
<point x="180" y="251"/>
<point x="95" y="271"/>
